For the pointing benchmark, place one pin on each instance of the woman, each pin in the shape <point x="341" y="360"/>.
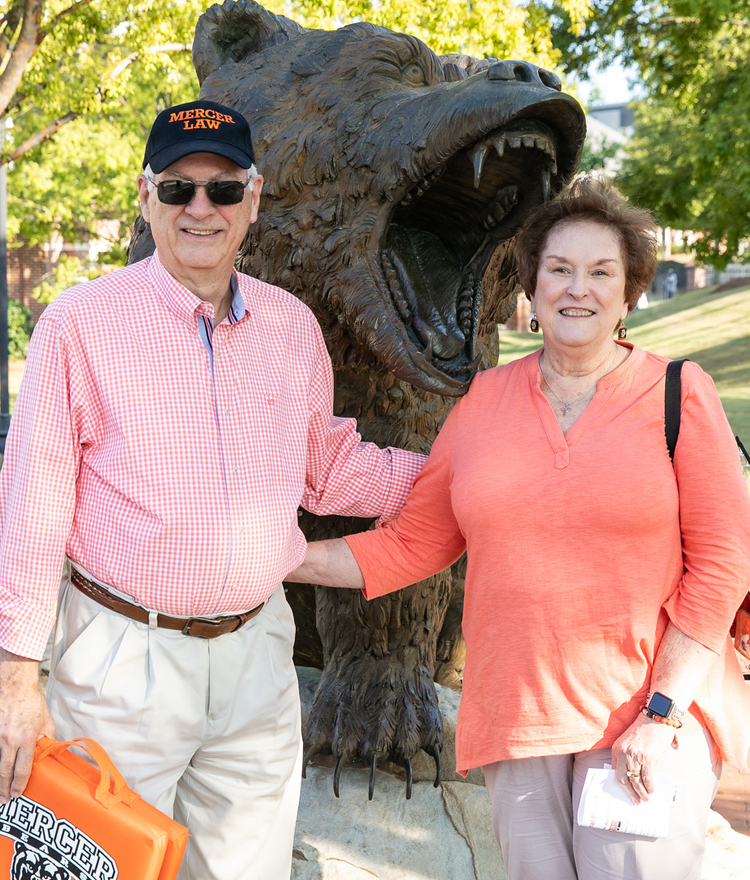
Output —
<point x="602" y="578"/>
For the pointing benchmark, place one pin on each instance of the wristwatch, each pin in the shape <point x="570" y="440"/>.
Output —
<point x="662" y="709"/>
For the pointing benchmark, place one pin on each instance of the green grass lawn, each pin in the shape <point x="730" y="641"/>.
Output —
<point x="711" y="329"/>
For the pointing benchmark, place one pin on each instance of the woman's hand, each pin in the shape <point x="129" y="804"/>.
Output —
<point x="636" y="753"/>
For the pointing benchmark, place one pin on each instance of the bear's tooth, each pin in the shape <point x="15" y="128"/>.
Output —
<point x="499" y="143"/>
<point x="514" y="141"/>
<point x="528" y="140"/>
<point x="508" y="197"/>
<point x="544" y="143"/>
<point x="545" y="183"/>
<point x="477" y="154"/>
<point x="500" y="210"/>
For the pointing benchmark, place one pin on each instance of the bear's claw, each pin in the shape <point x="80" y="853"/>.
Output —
<point x="371" y="786"/>
<point x="336" y="774"/>
<point x="435" y="754"/>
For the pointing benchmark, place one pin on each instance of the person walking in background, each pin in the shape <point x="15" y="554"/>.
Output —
<point x="602" y="578"/>
<point x="670" y="284"/>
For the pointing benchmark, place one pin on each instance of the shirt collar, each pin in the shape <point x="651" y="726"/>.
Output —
<point x="184" y="303"/>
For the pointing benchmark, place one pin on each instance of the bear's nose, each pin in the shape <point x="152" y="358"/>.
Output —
<point x="522" y="71"/>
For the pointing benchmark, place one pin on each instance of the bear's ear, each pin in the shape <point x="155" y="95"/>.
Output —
<point x="237" y="29"/>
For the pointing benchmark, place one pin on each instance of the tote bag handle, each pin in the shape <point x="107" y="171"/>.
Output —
<point x="112" y="788"/>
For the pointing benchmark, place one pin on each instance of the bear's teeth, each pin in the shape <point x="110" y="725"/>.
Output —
<point x="503" y="204"/>
<point x="514" y="140"/>
<point x="477" y="155"/>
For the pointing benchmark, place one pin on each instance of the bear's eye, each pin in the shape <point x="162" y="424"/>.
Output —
<point x="414" y="74"/>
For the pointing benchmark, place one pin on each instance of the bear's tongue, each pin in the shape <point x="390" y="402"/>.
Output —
<point x="430" y="279"/>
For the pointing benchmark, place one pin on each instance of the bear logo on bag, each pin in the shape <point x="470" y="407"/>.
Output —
<point x="28" y="864"/>
<point x="50" y="848"/>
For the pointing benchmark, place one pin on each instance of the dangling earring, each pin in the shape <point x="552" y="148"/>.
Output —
<point x="534" y="325"/>
<point x="622" y="330"/>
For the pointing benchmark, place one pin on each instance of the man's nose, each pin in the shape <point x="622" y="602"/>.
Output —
<point x="200" y="205"/>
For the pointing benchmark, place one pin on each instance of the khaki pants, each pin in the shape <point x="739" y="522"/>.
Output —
<point x="535" y="802"/>
<point x="208" y="731"/>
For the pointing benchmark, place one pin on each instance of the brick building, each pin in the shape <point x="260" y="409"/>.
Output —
<point x="29" y="265"/>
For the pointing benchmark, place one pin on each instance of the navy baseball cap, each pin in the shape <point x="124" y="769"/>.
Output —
<point x="198" y="127"/>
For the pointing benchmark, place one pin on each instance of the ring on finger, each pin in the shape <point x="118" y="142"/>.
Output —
<point x="633" y="774"/>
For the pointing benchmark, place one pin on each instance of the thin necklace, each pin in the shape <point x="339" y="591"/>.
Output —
<point x="566" y="405"/>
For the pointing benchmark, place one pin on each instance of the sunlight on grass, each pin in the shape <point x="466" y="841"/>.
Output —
<point x="711" y="329"/>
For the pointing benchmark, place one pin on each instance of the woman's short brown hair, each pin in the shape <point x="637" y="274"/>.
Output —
<point x="596" y="201"/>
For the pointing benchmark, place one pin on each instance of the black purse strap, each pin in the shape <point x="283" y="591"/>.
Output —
<point x="672" y="401"/>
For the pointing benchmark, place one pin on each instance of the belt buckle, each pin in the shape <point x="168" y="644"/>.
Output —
<point x="193" y="624"/>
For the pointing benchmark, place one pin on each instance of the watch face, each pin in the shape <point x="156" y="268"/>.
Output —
<point x="660" y="705"/>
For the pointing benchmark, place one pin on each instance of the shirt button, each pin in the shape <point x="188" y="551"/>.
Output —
<point x="235" y="470"/>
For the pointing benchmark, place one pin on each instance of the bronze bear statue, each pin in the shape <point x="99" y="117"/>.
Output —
<point x="395" y="181"/>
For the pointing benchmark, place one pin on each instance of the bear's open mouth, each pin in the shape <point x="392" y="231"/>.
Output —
<point x="445" y="230"/>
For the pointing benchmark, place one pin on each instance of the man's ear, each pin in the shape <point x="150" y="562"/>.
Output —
<point x="142" y="184"/>
<point x="255" y="197"/>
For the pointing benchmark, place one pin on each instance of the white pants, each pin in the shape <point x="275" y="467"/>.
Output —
<point x="535" y="802"/>
<point x="208" y="731"/>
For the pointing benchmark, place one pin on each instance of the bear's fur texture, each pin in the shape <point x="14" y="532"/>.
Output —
<point x="394" y="183"/>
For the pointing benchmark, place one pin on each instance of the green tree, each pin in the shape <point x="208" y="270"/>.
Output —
<point x="19" y="329"/>
<point x="483" y="28"/>
<point x="79" y="86"/>
<point x="59" y="60"/>
<point x="85" y="174"/>
<point x="689" y="159"/>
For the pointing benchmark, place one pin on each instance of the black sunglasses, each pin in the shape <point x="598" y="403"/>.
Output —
<point x="182" y="192"/>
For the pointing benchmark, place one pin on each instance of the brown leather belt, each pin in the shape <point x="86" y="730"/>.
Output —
<point x="200" y="627"/>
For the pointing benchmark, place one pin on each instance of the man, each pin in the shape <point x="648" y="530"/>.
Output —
<point x="173" y="417"/>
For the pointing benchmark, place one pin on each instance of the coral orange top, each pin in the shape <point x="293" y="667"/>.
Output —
<point x="580" y="549"/>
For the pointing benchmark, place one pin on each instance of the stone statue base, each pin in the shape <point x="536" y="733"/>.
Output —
<point x="441" y="833"/>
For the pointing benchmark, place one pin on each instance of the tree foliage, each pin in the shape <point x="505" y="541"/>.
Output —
<point x="483" y="28"/>
<point x="85" y="174"/>
<point x="61" y="59"/>
<point x="690" y="157"/>
<point x="20" y="326"/>
<point x="80" y="83"/>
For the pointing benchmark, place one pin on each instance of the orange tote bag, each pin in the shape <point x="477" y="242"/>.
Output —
<point x="76" y="821"/>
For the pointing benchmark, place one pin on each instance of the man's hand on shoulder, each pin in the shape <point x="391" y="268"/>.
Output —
<point x="23" y="719"/>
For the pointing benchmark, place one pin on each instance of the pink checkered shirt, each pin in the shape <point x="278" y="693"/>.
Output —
<point x="173" y="483"/>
